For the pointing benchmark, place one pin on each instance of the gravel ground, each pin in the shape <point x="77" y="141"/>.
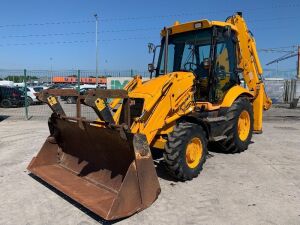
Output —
<point x="258" y="186"/>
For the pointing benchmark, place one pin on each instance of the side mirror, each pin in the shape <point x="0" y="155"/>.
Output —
<point x="151" y="67"/>
<point x="151" y="47"/>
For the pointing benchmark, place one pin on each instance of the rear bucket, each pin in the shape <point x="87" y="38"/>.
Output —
<point x="109" y="172"/>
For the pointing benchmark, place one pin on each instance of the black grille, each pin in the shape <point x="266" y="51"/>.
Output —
<point x="136" y="107"/>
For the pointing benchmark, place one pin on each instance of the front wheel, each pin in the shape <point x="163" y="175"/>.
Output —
<point x="185" y="151"/>
<point x="240" y="126"/>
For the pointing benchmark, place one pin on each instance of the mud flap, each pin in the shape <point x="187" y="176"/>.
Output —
<point x="111" y="174"/>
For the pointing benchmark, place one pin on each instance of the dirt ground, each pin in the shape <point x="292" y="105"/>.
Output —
<point x="258" y="186"/>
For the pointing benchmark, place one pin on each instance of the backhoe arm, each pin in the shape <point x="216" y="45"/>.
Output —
<point x="249" y="61"/>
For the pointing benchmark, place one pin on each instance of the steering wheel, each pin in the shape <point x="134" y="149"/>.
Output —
<point x="191" y="64"/>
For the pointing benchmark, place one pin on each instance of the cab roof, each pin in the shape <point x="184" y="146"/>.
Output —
<point x="196" y="25"/>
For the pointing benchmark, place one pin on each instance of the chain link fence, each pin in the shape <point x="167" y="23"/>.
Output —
<point x="18" y="89"/>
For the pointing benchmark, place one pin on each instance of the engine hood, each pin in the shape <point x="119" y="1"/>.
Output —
<point x="154" y="89"/>
<point x="151" y="87"/>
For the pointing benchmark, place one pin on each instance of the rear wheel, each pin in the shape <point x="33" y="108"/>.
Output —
<point x="5" y="103"/>
<point x="240" y="126"/>
<point x="185" y="151"/>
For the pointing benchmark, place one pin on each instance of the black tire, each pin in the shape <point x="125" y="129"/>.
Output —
<point x="176" y="147"/>
<point x="6" y="103"/>
<point x="233" y="143"/>
<point x="29" y="101"/>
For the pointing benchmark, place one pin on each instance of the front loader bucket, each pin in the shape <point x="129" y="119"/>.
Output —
<point x="107" y="170"/>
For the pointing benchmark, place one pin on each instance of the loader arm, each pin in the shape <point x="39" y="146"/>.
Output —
<point x="135" y="82"/>
<point x="252" y="70"/>
<point x="131" y="85"/>
<point x="172" y="100"/>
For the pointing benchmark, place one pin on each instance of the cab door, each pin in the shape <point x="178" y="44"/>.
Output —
<point x="224" y="74"/>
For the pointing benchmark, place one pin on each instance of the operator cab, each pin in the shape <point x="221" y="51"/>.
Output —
<point x="209" y="53"/>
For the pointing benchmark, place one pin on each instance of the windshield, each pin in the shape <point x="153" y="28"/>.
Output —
<point x="186" y="52"/>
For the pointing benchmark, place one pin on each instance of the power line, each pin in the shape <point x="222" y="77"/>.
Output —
<point x="46" y="23"/>
<point x="107" y="31"/>
<point x="47" y="35"/>
<point x="199" y="13"/>
<point x="287" y="56"/>
<point x="132" y="30"/>
<point x="150" y="17"/>
<point x="281" y="48"/>
<point x="73" y="42"/>
<point x="274" y="50"/>
<point x="273" y="19"/>
<point x="76" y="33"/>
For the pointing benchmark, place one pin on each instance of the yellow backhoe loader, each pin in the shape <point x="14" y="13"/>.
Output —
<point x="195" y="96"/>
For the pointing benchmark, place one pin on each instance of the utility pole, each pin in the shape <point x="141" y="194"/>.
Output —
<point x="51" y="70"/>
<point x="96" y="20"/>
<point x="25" y="94"/>
<point x="298" y="63"/>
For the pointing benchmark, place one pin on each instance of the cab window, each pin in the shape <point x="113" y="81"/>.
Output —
<point x="224" y="66"/>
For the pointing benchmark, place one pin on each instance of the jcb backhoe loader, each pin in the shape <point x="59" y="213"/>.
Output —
<point x="194" y="98"/>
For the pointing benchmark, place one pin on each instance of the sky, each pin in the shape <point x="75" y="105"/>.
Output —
<point x="40" y="34"/>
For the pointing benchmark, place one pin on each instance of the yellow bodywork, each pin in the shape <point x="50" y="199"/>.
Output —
<point x="191" y="26"/>
<point x="107" y="166"/>
<point x="167" y="98"/>
<point x="247" y="59"/>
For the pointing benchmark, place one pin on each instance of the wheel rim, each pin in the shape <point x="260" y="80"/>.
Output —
<point x="244" y="125"/>
<point x="194" y="152"/>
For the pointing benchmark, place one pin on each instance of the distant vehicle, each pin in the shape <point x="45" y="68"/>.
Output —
<point x="10" y="96"/>
<point x="102" y="86"/>
<point x="88" y="86"/>
<point x="31" y="91"/>
<point x="73" y="99"/>
<point x="6" y="83"/>
<point x="19" y="84"/>
<point x="61" y="86"/>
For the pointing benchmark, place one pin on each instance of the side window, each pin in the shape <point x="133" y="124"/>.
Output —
<point x="222" y="62"/>
<point x="225" y="63"/>
<point x="171" y="49"/>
